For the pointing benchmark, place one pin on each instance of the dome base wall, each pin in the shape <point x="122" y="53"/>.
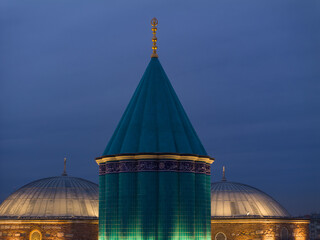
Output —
<point x="49" y="229"/>
<point x="263" y="229"/>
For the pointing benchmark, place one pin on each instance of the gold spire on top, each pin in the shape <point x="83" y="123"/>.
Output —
<point x="154" y="24"/>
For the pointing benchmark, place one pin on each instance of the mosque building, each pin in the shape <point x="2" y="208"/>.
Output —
<point x="242" y="212"/>
<point x="154" y="184"/>
<point x="61" y="207"/>
<point x="154" y="178"/>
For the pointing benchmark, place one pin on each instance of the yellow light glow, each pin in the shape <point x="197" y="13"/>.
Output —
<point x="155" y="156"/>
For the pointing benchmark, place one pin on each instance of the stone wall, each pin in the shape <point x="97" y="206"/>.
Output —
<point x="233" y="229"/>
<point x="49" y="229"/>
<point x="260" y="229"/>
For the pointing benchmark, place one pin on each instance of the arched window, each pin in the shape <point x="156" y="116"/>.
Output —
<point x="284" y="234"/>
<point x="220" y="236"/>
<point x="35" y="235"/>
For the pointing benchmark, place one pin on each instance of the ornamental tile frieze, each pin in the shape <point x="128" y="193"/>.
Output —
<point x="154" y="166"/>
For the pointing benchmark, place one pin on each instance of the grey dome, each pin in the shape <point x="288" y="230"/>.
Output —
<point x="230" y="199"/>
<point x="55" y="197"/>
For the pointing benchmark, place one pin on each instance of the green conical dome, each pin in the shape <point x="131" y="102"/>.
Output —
<point x="154" y="120"/>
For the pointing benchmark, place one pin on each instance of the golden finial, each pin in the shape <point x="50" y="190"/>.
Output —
<point x="224" y="174"/>
<point x="154" y="24"/>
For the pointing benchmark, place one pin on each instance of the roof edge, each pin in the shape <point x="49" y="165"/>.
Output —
<point x="154" y="156"/>
<point x="155" y="153"/>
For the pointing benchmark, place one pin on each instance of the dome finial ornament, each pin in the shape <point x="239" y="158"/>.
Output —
<point x="65" y="167"/>
<point x="154" y="24"/>
<point x="224" y="174"/>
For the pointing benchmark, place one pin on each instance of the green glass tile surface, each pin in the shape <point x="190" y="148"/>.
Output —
<point x="154" y="205"/>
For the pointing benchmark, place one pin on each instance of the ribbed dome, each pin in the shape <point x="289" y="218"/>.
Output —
<point x="154" y="121"/>
<point x="54" y="197"/>
<point x="230" y="199"/>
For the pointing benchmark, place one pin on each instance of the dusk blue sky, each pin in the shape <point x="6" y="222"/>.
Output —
<point x="246" y="72"/>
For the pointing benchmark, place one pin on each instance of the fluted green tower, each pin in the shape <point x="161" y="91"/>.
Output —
<point x="154" y="173"/>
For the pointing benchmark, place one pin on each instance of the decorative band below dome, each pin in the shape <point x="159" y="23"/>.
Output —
<point x="155" y="156"/>
<point x="164" y="162"/>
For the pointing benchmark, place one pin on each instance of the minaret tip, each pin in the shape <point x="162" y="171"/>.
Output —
<point x="224" y="174"/>
<point x="154" y="24"/>
<point x="65" y="167"/>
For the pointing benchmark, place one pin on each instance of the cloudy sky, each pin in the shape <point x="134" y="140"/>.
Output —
<point x="247" y="73"/>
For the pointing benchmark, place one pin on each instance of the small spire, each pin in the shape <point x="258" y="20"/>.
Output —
<point x="224" y="174"/>
<point x="65" y="167"/>
<point x="154" y="24"/>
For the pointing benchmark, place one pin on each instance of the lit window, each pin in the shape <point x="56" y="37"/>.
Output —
<point x="35" y="235"/>
<point x="284" y="234"/>
<point x="220" y="236"/>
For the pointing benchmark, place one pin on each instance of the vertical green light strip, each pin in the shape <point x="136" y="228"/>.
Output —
<point x="127" y="204"/>
<point x="102" y="208"/>
<point x="147" y="200"/>
<point x="187" y="205"/>
<point x="207" y="191"/>
<point x="111" y="219"/>
<point x="168" y="205"/>
<point x="200" y="225"/>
